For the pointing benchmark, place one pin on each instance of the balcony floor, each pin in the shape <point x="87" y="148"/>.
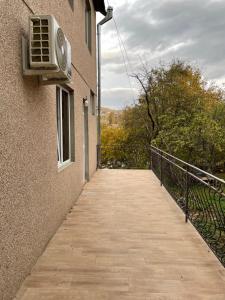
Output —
<point x="125" y="239"/>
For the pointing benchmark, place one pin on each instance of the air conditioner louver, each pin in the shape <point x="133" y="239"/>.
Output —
<point x="39" y="41"/>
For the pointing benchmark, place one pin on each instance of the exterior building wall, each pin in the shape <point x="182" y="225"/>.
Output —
<point x="34" y="195"/>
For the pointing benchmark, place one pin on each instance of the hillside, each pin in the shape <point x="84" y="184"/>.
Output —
<point x="110" y="116"/>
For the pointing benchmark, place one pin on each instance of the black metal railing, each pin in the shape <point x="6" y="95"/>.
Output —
<point x="199" y="194"/>
<point x="134" y="156"/>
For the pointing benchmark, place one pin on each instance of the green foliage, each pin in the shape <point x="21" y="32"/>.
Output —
<point x="113" y="140"/>
<point x="119" y="149"/>
<point x="176" y="112"/>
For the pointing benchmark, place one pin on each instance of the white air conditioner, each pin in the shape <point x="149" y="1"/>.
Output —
<point x="49" y="50"/>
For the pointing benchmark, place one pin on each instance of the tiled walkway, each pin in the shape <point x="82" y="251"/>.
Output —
<point x="125" y="239"/>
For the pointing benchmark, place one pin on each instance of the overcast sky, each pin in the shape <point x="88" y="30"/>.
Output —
<point x="161" y="30"/>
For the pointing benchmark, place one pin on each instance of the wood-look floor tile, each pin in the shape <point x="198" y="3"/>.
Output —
<point x="125" y="239"/>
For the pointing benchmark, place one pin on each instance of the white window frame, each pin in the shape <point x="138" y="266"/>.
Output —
<point x="62" y="163"/>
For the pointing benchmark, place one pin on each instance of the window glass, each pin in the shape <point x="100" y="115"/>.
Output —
<point x="58" y="123"/>
<point x="92" y="103"/>
<point x="63" y="125"/>
<point x="88" y="24"/>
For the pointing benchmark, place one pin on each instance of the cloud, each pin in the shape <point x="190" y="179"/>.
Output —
<point x="111" y="56"/>
<point x="118" y="97"/>
<point x="153" y="31"/>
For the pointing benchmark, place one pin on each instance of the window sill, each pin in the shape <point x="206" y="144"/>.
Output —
<point x="64" y="166"/>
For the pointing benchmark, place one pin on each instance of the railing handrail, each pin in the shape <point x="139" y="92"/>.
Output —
<point x="189" y="173"/>
<point x="188" y="165"/>
<point x="202" y="198"/>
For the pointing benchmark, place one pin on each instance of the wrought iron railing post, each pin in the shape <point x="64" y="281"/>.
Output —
<point x="161" y="169"/>
<point x="150" y="167"/>
<point x="186" y="194"/>
<point x="199" y="194"/>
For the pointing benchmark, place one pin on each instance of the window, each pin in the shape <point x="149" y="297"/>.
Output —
<point x="63" y="107"/>
<point x="88" y="24"/>
<point x="71" y="2"/>
<point x="92" y="103"/>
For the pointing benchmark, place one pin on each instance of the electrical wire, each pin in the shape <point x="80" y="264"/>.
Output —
<point x="121" y="41"/>
<point x="126" y="61"/>
<point x="122" y="44"/>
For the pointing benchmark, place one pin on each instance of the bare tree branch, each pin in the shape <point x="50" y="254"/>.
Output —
<point x="137" y="77"/>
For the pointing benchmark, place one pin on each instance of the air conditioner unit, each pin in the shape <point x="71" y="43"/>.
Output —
<point x="49" y="50"/>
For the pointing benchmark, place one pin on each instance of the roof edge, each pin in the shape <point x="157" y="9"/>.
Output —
<point x="100" y="6"/>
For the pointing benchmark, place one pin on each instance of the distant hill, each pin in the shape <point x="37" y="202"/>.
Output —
<point x="110" y="116"/>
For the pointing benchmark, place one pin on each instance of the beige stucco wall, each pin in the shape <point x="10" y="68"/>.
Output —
<point x="34" y="195"/>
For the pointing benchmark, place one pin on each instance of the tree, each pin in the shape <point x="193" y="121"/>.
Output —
<point x="113" y="141"/>
<point x="178" y="113"/>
